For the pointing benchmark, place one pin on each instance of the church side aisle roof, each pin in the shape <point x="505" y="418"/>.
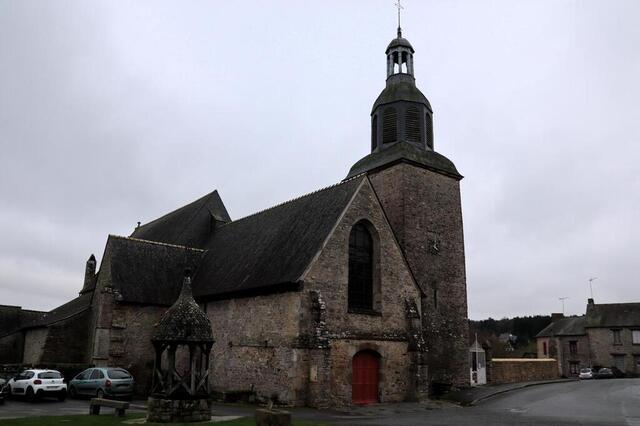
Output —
<point x="72" y="308"/>
<point x="272" y="247"/>
<point x="147" y="272"/>
<point x="190" y="225"/>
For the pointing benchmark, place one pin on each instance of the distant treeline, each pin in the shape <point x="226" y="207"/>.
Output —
<point x="525" y="328"/>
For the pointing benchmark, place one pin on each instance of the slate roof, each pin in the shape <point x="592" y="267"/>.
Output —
<point x="272" y="247"/>
<point x="400" y="87"/>
<point x="68" y="310"/>
<point x="184" y="321"/>
<point x="406" y="152"/>
<point x="147" y="271"/>
<point x="191" y="225"/>
<point x="399" y="41"/>
<point x="613" y="315"/>
<point x="572" y="326"/>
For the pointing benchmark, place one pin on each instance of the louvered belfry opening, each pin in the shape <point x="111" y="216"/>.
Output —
<point x="374" y="133"/>
<point x="429" y="129"/>
<point x="360" y="268"/>
<point x="412" y="125"/>
<point x="389" y="125"/>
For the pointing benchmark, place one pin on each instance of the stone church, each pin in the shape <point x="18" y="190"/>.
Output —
<point x="352" y="294"/>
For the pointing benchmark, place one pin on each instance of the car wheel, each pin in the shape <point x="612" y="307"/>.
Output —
<point x="62" y="396"/>
<point x="30" y="395"/>
<point x="100" y="393"/>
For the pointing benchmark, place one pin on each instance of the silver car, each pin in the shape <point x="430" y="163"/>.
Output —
<point x="101" y="382"/>
<point x="586" y="373"/>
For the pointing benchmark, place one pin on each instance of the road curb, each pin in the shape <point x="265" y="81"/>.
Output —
<point x="522" y="386"/>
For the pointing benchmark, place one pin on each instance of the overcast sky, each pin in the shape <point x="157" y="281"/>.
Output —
<point x="113" y="112"/>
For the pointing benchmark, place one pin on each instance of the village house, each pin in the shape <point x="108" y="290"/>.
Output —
<point x="608" y="335"/>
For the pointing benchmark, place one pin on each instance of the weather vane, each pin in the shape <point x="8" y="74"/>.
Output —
<point x="399" y="6"/>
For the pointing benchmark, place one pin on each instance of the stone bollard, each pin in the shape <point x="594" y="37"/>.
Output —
<point x="266" y="417"/>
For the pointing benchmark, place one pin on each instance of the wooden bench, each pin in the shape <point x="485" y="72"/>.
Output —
<point x="96" y="403"/>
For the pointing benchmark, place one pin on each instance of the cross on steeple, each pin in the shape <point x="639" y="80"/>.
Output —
<point x="399" y="6"/>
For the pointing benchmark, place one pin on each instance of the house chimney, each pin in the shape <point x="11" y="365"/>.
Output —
<point x="590" y="302"/>
<point x="89" y="275"/>
<point x="556" y="316"/>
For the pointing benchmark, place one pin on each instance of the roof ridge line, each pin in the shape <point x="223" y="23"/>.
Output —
<point x="292" y="200"/>
<point x="180" y="208"/>
<point x="36" y="322"/>
<point x="155" y="242"/>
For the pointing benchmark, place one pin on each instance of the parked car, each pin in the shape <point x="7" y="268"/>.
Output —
<point x="586" y="373"/>
<point x="4" y="390"/>
<point x="102" y="382"/>
<point x="34" y="384"/>
<point x="604" y="373"/>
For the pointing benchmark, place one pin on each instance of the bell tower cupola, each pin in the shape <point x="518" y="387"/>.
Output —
<point x="401" y="114"/>
<point x="399" y="56"/>
<point x="402" y="118"/>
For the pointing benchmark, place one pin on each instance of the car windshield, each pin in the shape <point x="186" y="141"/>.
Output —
<point x="585" y="370"/>
<point x="604" y="370"/>
<point x="49" y="375"/>
<point x="118" y="374"/>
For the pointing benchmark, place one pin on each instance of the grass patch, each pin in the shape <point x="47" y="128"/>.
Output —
<point x="110" y="419"/>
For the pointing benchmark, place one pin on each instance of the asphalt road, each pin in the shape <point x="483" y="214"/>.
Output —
<point x="597" y="402"/>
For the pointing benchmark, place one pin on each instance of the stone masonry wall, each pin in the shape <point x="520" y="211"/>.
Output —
<point x="256" y="347"/>
<point x="540" y="342"/>
<point x="395" y="369"/>
<point x="603" y="349"/>
<point x="67" y="340"/>
<point x="424" y="209"/>
<point x="11" y="347"/>
<point x="521" y="370"/>
<point x="582" y="357"/>
<point x="34" y="341"/>
<point x="385" y="330"/>
<point x="120" y="333"/>
<point x="130" y="341"/>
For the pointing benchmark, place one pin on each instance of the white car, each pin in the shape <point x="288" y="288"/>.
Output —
<point x="586" y="373"/>
<point x="34" y="384"/>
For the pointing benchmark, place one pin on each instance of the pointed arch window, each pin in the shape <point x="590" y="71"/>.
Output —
<point x="360" y="268"/>
<point x="389" y="125"/>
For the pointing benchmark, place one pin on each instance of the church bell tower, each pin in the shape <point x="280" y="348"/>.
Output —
<point x="419" y="190"/>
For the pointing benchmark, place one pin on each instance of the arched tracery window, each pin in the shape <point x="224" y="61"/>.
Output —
<point x="360" y="268"/>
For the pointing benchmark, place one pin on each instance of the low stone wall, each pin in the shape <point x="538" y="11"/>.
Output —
<point x="514" y="370"/>
<point x="178" y="410"/>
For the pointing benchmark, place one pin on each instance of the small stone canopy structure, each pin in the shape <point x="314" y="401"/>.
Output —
<point x="175" y="396"/>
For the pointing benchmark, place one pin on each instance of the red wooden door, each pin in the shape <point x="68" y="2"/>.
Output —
<point x="365" y="378"/>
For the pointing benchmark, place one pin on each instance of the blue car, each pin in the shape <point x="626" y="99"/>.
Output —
<point x="102" y="382"/>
